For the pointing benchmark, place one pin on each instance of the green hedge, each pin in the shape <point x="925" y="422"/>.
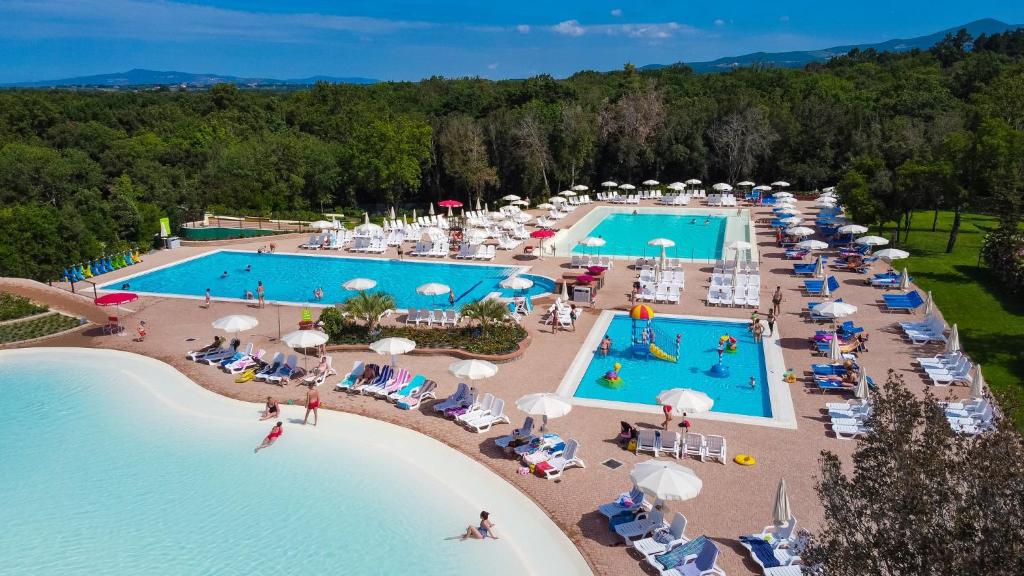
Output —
<point x="496" y="339"/>
<point x="13" y="307"/>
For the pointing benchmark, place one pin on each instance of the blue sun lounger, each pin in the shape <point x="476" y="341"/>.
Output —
<point x="815" y="287"/>
<point x="903" y="302"/>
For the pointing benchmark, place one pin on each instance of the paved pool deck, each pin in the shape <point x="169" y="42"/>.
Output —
<point x="735" y="499"/>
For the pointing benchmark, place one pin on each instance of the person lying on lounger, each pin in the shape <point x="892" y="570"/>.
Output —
<point x="369" y="373"/>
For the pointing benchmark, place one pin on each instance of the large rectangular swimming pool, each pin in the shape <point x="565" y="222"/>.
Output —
<point x="293" y="277"/>
<point x="697" y="236"/>
<point x="644" y="376"/>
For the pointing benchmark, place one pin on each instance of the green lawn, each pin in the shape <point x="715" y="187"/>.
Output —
<point x="990" y="319"/>
<point x="36" y="328"/>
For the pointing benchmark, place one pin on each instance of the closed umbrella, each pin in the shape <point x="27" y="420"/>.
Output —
<point x="835" y="353"/>
<point x="871" y="241"/>
<point x="685" y="400"/>
<point x="928" y="304"/>
<point x="544" y="404"/>
<point x="472" y="369"/>
<point x="819" y="269"/>
<point x="666" y="480"/>
<point x="431" y="209"/>
<point x="953" y="342"/>
<point x="393" y="347"/>
<point x="359" y="284"/>
<point x="862" y="391"/>
<point x="478" y="203"/>
<point x="391" y="213"/>
<point x="780" y="512"/>
<point x="904" y="280"/>
<point x="977" y="383"/>
<point x="825" y="292"/>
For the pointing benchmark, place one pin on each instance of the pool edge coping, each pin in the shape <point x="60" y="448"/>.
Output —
<point x="779" y="396"/>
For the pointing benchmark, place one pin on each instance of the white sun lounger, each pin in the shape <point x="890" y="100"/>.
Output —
<point x="568" y="459"/>
<point x="645" y="525"/>
<point x="496" y="415"/>
<point x="663" y="540"/>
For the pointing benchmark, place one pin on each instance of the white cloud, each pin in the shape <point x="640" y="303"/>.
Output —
<point x="783" y="18"/>
<point x="569" y="28"/>
<point x="617" y="12"/>
<point x="650" y="31"/>
<point x="719" y="22"/>
<point x="492" y="66"/>
<point x="523" y="28"/>
<point x="166" y="19"/>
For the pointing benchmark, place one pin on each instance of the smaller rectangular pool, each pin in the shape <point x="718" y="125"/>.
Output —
<point x="697" y="236"/>
<point x="644" y="376"/>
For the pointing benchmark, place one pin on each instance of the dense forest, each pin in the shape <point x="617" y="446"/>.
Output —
<point x="85" y="172"/>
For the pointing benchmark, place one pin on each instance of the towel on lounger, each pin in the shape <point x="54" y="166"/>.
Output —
<point x="763" y="550"/>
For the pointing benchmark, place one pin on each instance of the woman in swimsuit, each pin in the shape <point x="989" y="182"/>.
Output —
<point x="312" y="403"/>
<point x="275" y="433"/>
<point x="271" y="411"/>
<point x="483" y="531"/>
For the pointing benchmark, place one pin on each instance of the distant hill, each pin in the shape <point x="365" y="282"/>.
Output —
<point x="147" y="78"/>
<point x="800" y="59"/>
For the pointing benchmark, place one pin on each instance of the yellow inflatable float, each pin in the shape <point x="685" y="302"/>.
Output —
<point x="744" y="460"/>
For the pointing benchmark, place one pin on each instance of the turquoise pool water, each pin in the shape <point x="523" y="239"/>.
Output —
<point x="113" y="465"/>
<point x="293" y="277"/>
<point x="644" y="377"/>
<point x="628" y="234"/>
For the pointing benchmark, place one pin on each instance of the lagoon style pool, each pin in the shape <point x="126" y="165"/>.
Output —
<point x="114" y="463"/>
<point x="293" y="277"/>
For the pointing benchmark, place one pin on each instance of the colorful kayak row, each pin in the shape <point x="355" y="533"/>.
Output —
<point x="80" y="272"/>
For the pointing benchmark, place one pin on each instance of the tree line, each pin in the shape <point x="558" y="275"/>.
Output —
<point x="84" y="172"/>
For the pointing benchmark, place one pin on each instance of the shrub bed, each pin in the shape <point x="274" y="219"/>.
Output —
<point x="13" y="307"/>
<point x="36" y="328"/>
<point x="495" y="339"/>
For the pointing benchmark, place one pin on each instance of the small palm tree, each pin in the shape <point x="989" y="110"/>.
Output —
<point x="485" y="312"/>
<point x="369" y="306"/>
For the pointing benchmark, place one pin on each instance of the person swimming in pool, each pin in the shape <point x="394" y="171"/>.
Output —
<point x="248" y="267"/>
<point x="707" y="221"/>
<point x="275" y="433"/>
<point x="753" y="382"/>
<point x="694" y="221"/>
<point x="483" y="531"/>
<point x="224" y="275"/>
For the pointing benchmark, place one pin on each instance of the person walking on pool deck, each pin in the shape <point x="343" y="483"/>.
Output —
<point x="483" y="531"/>
<point x="312" y="403"/>
<point x="208" y="301"/>
<point x="275" y="433"/>
<point x="777" y="300"/>
<point x="771" y="320"/>
<point x="260" y="293"/>
<point x="668" y="416"/>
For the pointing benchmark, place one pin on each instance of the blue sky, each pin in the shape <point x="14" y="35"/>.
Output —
<point x="408" y="40"/>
